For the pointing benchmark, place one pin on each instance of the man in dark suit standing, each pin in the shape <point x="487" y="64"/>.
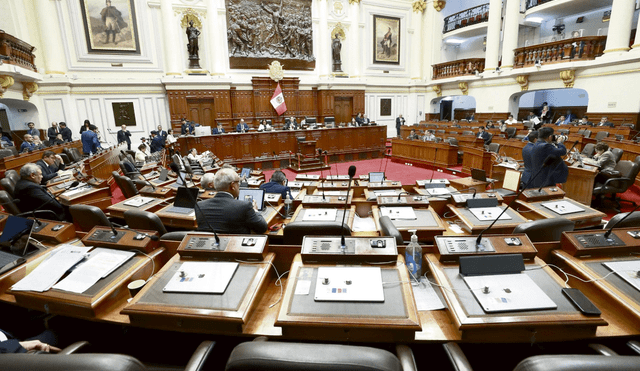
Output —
<point x="187" y="127"/>
<point x="65" y="132"/>
<point x="399" y="123"/>
<point x="124" y="136"/>
<point x="53" y="131"/>
<point x="225" y="213"/>
<point x="527" y="156"/>
<point x="157" y="144"/>
<point x="605" y="122"/>
<point x="32" y="129"/>
<point x="34" y="196"/>
<point x="50" y="164"/>
<point x="557" y="171"/>
<point x="162" y="134"/>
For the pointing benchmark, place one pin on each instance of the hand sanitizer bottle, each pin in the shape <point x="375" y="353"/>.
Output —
<point x="287" y="204"/>
<point x="413" y="257"/>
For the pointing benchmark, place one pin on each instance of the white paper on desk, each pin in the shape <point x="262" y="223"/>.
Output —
<point x="320" y="215"/>
<point x="627" y="270"/>
<point x="76" y="190"/>
<point x="52" y="269"/>
<point x="202" y="277"/>
<point x="399" y="212"/>
<point x="302" y="288"/>
<point x="294" y="194"/>
<point x="508" y="292"/>
<point x="92" y="270"/>
<point x="486" y="214"/>
<point x="363" y="224"/>
<point x="138" y="201"/>
<point x="334" y="193"/>
<point x="426" y="297"/>
<point x="438" y="191"/>
<point x="562" y="207"/>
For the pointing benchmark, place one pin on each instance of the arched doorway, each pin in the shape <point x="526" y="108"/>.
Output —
<point x="560" y="101"/>
<point x="453" y="107"/>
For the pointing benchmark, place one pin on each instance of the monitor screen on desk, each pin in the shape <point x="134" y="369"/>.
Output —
<point x="202" y="130"/>
<point x="16" y="234"/>
<point x="376" y="177"/>
<point x="184" y="200"/>
<point x="245" y="172"/>
<point x="252" y="194"/>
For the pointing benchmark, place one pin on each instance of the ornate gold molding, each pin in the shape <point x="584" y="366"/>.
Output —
<point x="190" y="14"/>
<point x="28" y="88"/>
<point x="338" y="29"/>
<point x="464" y="87"/>
<point x="419" y="6"/>
<point x="276" y="72"/>
<point x="568" y="78"/>
<point x="351" y="2"/>
<point x="6" y="82"/>
<point x="437" y="89"/>
<point x="523" y="81"/>
<point x="439" y="4"/>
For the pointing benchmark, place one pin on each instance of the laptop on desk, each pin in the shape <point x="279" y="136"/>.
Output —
<point x="164" y="176"/>
<point x="184" y="203"/>
<point x="480" y="175"/>
<point x="14" y="242"/>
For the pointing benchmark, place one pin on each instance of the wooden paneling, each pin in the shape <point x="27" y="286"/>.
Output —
<point x="343" y="109"/>
<point x="426" y="153"/>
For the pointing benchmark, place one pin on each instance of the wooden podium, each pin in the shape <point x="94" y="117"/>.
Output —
<point x="307" y="159"/>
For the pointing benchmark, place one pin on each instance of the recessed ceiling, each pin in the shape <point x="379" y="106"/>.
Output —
<point x="565" y="8"/>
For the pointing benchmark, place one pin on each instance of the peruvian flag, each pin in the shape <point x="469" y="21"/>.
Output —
<point x="277" y="101"/>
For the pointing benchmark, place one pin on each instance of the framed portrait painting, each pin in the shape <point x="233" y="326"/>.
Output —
<point x="110" y="26"/>
<point x="386" y="40"/>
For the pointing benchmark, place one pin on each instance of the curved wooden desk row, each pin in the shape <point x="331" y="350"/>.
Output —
<point x="277" y="145"/>
<point x="16" y="162"/>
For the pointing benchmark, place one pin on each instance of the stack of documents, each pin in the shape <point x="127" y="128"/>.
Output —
<point x="52" y="269"/>
<point x="320" y="215"/>
<point x="100" y="263"/>
<point x="399" y="213"/>
<point x="138" y="201"/>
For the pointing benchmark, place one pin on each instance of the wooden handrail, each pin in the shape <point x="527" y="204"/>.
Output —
<point x="569" y="50"/>
<point x="460" y="67"/>
<point x="19" y="52"/>
<point x="467" y="17"/>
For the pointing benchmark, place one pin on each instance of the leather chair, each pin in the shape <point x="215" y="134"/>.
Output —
<point x="628" y="171"/>
<point x="617" y="154"/>
<point x="510" y="132"/>
<point x="294" y="232"/>
<point x="494" y="147"/>
<point x="8" y="186"/>
<point x="467" y="132"/>
<point x="636" y="160"/>
<point x="95" y="361"/>
<point x="601" y="135"/>
<point x="85" y="217"/>
<point x="632" y="221"/>
<point x="5" y="152"/>
<point x="545" y="230"/>
<point x="588" y="150"/>
<point x="125" y="184"/>
<point x="389" y="229"/>
<point x="488" y="140"/>
<point x="129" y="170"/>
<point x="260" y="355"/>
<point x="581" y="131"/>
<point x="7" y="203"/>
<point x="579" y="362"/>
<point x="563" y="131"/>
<point x="140" y="219"/>
<point x="13" y="175"/>
<point x="587" y="133"/>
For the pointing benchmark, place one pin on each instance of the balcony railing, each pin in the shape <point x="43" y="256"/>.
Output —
<point x="531" y="3"/>
<point x="467" y="17"/>
<point x="462" y="67"/>
<point x="19" y="52"/>
<point x="569" y="50"/>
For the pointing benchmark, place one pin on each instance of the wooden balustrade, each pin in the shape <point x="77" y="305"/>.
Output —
<point x="19" y="52"/>
<point x="569" y="50"/>
<point x="462" y="67"/>
<point x="466" y="18"/>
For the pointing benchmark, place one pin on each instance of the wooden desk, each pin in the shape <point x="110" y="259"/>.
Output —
<point x="100" y="197"/>
<point x="16" y="162"/>
<point x="474" y="226"/>
<point x="584" y="219"/>
<point x="475" y="158"/>
<point x="102" y="164"/>
<point x="226" y="313"/>
<point x="426" y="153"/>
<point x="394" y="320"/>
<point x="189" y="222"/>
<point x="468" y="183"/>
<point x="117" y="210"/>
<point x="317" y="200"/>
<point x="387" y="184"/>
<point x="579" y="185"/>
<point x="427" y="224"/>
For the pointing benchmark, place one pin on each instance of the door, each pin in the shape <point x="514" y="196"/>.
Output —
<point x="201" y="111"/>
<point x="445" y="110"/>
<point x="342" y="109"/>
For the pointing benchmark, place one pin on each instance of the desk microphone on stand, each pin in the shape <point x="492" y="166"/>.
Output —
<point x="352" y="172"/>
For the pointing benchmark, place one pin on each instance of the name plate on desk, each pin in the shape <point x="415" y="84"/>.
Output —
<point x="450" y="248"/>
<point x="243" y="247"/>
<point x="357" y="249"/>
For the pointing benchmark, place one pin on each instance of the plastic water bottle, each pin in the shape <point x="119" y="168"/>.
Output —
<point x="287" y="204"/>
<point x="413" y="257"/>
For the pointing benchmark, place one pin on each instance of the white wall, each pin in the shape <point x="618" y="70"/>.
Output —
<point x="20" y="113"/>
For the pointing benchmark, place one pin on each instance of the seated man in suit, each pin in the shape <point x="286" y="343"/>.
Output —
<point x="37" y="142"/>
<point x="585" y="121"/>
<point x="604" y="121"/>
<point x="218" y="130"/>
<point x="65" y="132"/>
<point x="224" y="212"/>
<point x="484" y="135"/>
<point x="413" y="135"/>
<point x="187" y="127"/>
<point x="365" y="120"/>
<point x="429" y="136"/>
<point x="526" y="156"/>
<point x="28" y="144"/>
<point x="548" y="146"/>
<point x="291" y="124"/>
<point x="33" y="196"/>
<point x="277" y="184"/>
<point x="242" y="127"/>
<point x="50" y="164"/>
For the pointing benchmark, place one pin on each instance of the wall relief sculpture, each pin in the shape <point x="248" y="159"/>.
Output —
<point x="259" y="31"/>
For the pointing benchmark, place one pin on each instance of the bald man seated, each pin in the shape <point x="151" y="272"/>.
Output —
<point x="225" y="213"/>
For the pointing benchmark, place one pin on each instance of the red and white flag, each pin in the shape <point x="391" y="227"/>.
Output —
<point x="277" y="101"/>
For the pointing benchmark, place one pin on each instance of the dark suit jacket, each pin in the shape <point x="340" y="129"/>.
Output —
<point x="33" y="195"/>
<point x="90" y="142"/>
<point x="528" y="162"/>
<point x="48" y="171"/>
<point x="399" y="122"/>
<point x="241" y="127"/>
<point x="217" y="131"/>
<point x="550" y="175"/>
<point x="273" y="187"/>
<point x="609" y="124"/>
<point x="124" y="136"/>
<point x="66" y="134"/>
<point x="52" y="133"/>
<point x="485" y="135"/>
<point x="25" y="146"/>
<point x="187" y="128"/>
<point x="12" y="345"/>
<point x="156" y="144"/>
<point x="228" y="215"/>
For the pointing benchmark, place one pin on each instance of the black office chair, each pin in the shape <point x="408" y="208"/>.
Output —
<point x="260" y="355"/>
<point x="637" y="160"/>
<point x="129" y="169"/>
<point x="8" y="186"/>
<point x="617" y="154"/>
<point x="494" y="147"/>
<point x="545" y="230"/>
<point x="628" y="171"/>
<point x="632" y="221"/>
<point x="581" y="131"/>
<point x="389" y="229"/>
<point x="85" y="217"/>
<point x="467" y="132"/>
<point x="13" y="175"/>
<point x="294" y="232"/>
<point x="587" y="133"/>
<point x="5" y="152"/>
<point x="588" y="150"/>
<point x="601" y="135"/>
<point x="140" y="219"/>
<point x="510" y="132"/>
<point x="125" y="184"/>
<point x="7" y="203"/>
<point x="95" y="361"/>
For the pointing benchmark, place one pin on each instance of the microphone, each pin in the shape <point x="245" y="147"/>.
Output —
<point x="148" y="182"/>
<point x="433" y="170"/>
<point x="608" y="232"/>
<point x="548" y="161"/>
<point x="381" y="161"/>
<point x="174" y="167"/>
<point x="385" y="166"/>
<point x="321" y="177"/>
<point x="352" y="172"/>
<point x="401" y="193"/>
<point x="152" y="238"/>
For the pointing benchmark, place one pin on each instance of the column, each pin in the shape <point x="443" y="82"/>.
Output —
<point x="620" y="26"/>
<point x="219" y="50"/>
<point x="169" y="35"/>
<point x="636" y="45"/>
<point x="50" y="38"/>
<point x="511" y="30"/>
<point x="323" y="58"/>
<point x="492" y="55"/>
<point x="433" y="22"/>
<point x="415" y="61"/>
<point x="353" y="42"/>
